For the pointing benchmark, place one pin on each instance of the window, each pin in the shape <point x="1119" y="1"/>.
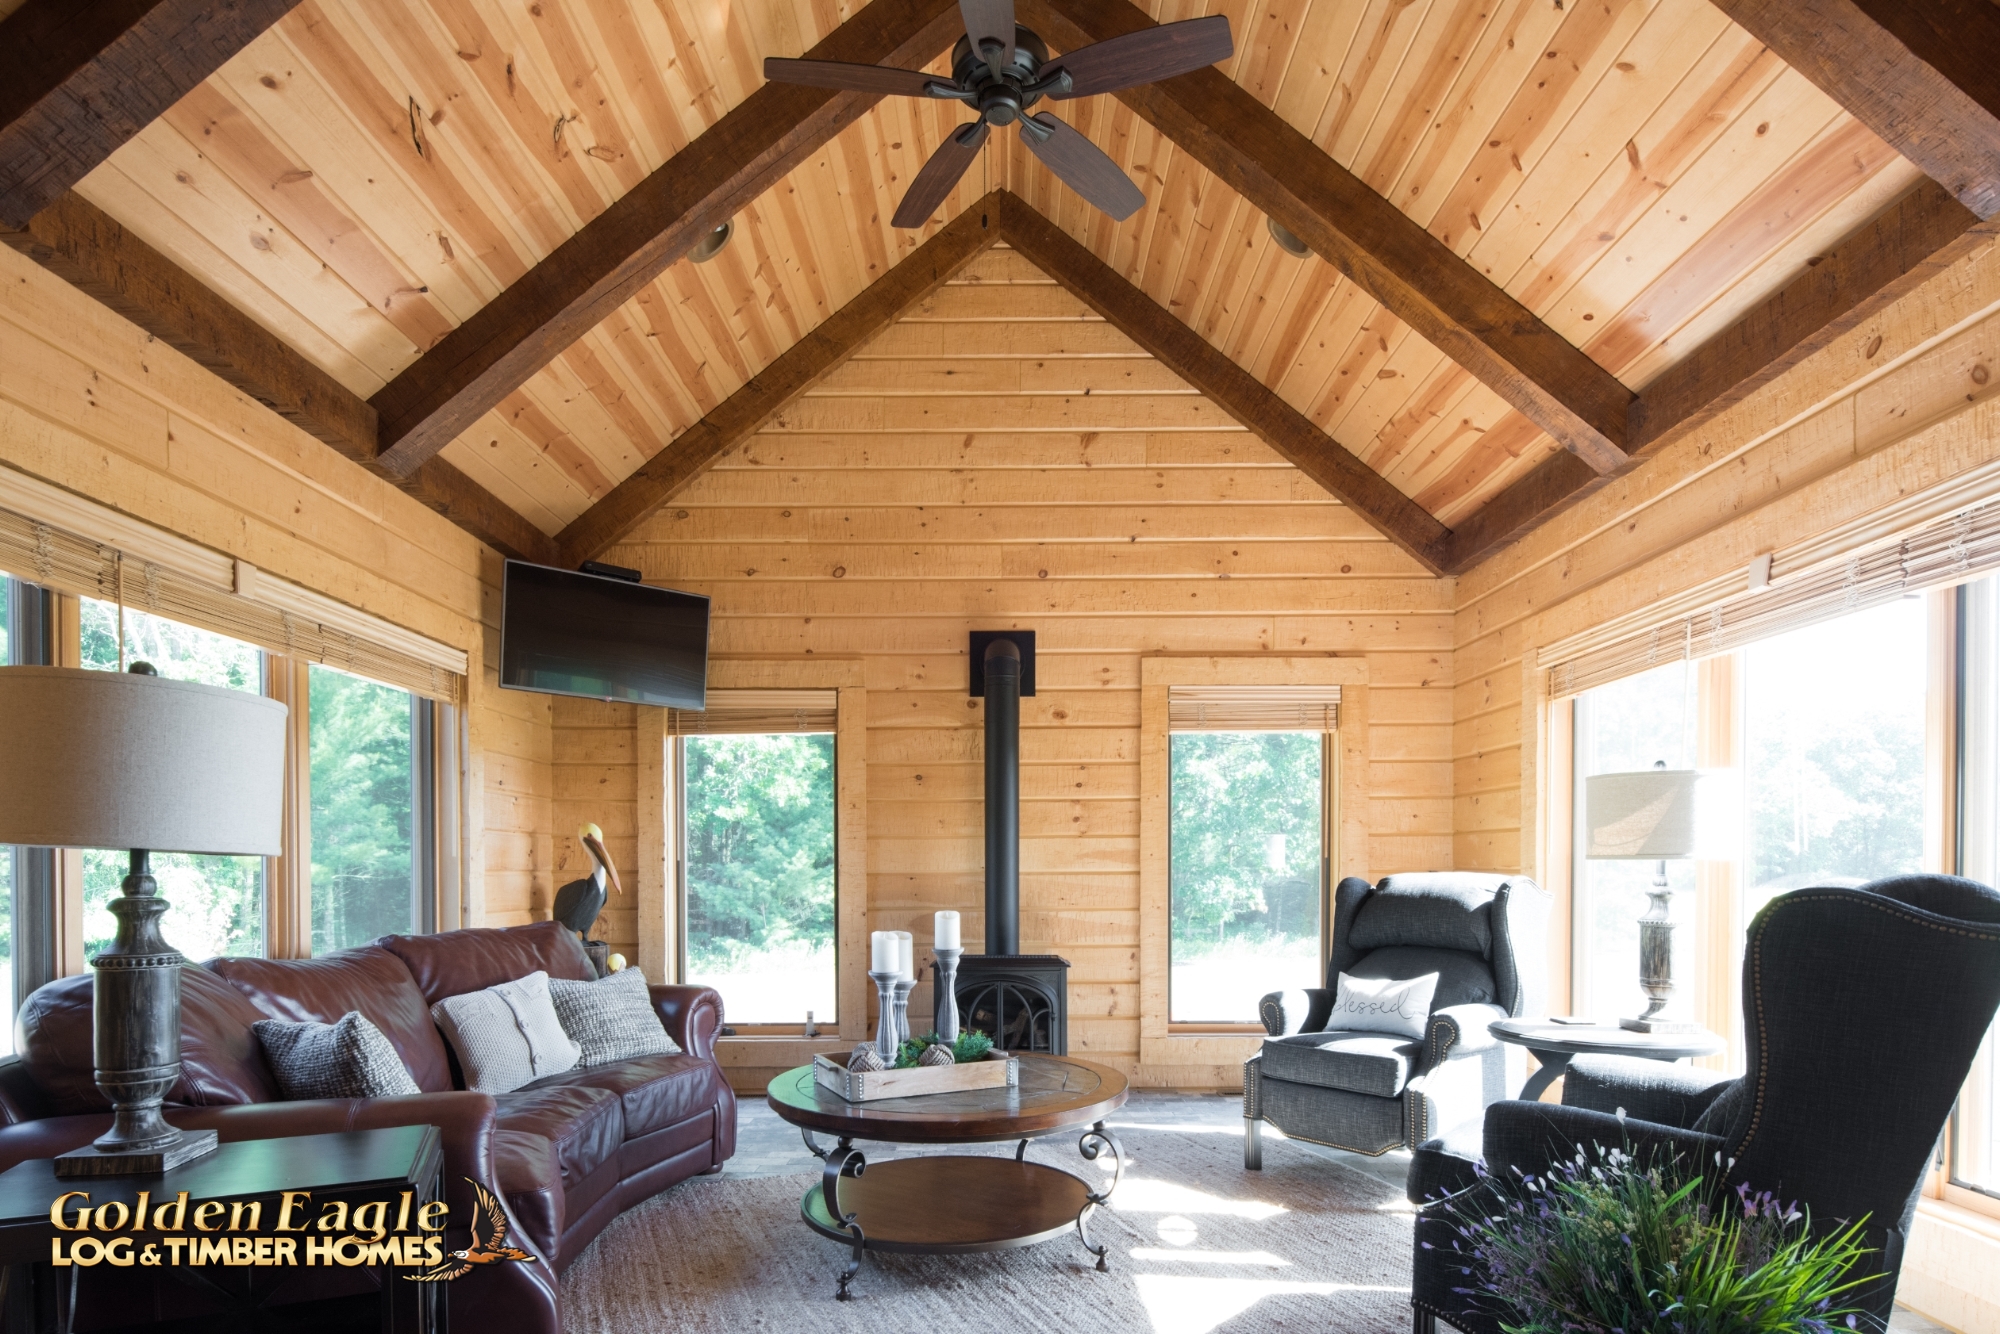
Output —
<point x="1974" y="1141"/>
<point x="27" y="875"/>
<point x="1247" y="821"/>
<point x="1627" y="725"/>
<point x="758" y="872"/>
<point x="371" y="790"/>
<point x="1831" y="722"/>
<point x="217" y="903"/>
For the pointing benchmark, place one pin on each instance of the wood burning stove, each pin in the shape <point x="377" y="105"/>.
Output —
<point x="1019" y="1000"/>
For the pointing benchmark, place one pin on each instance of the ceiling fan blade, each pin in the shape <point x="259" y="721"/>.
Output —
<point x="1083" y="166"/>
<point x="857" y="78"/>
<point x="934" y="182"/>
<point x="1146" y="56"/>
<point x="990" y="21"/>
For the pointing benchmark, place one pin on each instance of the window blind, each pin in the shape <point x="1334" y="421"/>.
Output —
<point x="1253" y="708"/>
<point x="84" y="567"/>
<point x="1950" y="550"/>
<point x="741" y="711"/>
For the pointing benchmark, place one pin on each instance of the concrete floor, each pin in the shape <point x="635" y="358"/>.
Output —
<point x="767" y="1146"/>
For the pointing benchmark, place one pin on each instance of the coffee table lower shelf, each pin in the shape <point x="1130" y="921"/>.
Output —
<point x="949" y="1204"/>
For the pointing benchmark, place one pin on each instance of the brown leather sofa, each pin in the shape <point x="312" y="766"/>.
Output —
<point x="567" y="1153"/>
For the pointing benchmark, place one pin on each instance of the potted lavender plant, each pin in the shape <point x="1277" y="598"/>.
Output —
<point x="1604" y="1244"/>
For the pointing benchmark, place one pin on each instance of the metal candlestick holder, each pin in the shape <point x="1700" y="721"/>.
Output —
<point x="904" y="985"/>
<point x="947" y="992"/>
<point x="887" y="1042"/>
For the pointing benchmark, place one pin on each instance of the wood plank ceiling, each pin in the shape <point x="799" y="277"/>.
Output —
<point x="367" y="174"/>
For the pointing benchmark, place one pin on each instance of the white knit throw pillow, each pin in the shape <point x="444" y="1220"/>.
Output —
<point x="506" y="1036"/>
<point x="1382" y="1005"/>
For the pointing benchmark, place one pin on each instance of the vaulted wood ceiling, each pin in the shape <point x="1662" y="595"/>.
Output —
<point x="1645" y="176"/>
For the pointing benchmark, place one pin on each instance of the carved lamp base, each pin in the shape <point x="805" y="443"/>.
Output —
<point x="91" y="1161"/>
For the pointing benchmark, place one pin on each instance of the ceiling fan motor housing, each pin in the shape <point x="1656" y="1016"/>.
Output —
<point x="1004" y="98"/>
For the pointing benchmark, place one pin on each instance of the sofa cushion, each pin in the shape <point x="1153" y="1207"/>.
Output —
<point x="455" y="962"/>
<point x="586" y="1125"/>
<point x="612" y="1019"/>
<point x="221" y="1062"/>
<point x="348" y="1058"/>
<point x="1377" y="1064"/>
<point x="657" y="1091"/>
<point x="1462" y="979"/>
<point x="367" y="979"/>
<point x="507" y="1035"/>
<point x="1450" y="910"/>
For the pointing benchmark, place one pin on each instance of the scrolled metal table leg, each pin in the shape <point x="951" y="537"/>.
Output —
<point x="1021" y="1152"/>
<point x="1094" y="1142"/>
<point x="839" y="1162"/>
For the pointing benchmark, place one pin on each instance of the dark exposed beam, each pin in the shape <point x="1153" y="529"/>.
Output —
<point x="82" y="245"/>
<point x="1228" y="385"/>
<point x="1920" y="73"/>
<point x="80" y="77"/>
<point x="733" y="421"/>
<point x="1417" y="277"/>
<point x="604" y="265"/>
<point x="1907" y="243"/>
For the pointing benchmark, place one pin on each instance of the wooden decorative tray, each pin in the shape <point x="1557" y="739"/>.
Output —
<point x="996" y="1070"/>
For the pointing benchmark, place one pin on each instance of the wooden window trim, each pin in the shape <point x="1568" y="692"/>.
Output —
<point x="1162" y="1042"/>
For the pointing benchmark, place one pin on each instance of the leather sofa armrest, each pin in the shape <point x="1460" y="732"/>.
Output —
<point x="21" y="1098"/>
<point x="1529" y="1137"/>
<point x="1457" y="1030"/>
<point x="1298" y="1010"/>
<point x="693" y="1016"/>
<point x="1656" y="1091"/>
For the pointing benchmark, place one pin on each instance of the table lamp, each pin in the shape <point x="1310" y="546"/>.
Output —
<point x="132" y="760"/>
<point x="1647" y="815"/>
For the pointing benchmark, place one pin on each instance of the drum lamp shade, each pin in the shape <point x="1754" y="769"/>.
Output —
<point x="120" y="760"/>
<point x="1646" y="815"/>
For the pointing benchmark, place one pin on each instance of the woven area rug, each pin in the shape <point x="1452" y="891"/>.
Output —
<point x="1197" y="1245"/>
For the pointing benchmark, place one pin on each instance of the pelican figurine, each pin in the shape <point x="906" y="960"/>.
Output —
<point x="578" y="903"/>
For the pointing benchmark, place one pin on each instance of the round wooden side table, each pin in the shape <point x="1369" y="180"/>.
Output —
<point x="953" y="1204"/>
<point x="1554" y="1045"/>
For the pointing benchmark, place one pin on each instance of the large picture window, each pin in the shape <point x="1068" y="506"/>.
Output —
<point x="1974" y="1141"/>
<point x="1248" y="842"/>
<point x="759" y="882"/>
<point x="371" y="786"/>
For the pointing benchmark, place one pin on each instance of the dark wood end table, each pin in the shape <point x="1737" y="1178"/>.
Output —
<point x="954" y="1204"/>
<point x="1555" y="1045"/>
<point x="355" y="1165"/>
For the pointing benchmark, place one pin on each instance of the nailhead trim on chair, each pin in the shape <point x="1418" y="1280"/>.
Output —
<point x="1757" y="974"/>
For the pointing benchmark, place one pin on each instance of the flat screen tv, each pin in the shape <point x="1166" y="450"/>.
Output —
<point x="563" y="632"/>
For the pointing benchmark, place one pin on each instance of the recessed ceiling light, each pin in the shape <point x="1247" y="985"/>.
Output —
<point x="1286" y="239"/>
<point x="711" y="245"/>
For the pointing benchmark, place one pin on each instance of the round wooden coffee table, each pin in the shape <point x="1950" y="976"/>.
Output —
<point x="952" y="1204"/>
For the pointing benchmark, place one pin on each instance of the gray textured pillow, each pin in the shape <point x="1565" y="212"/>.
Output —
<point x="506" y="1036"/>
<point x="349" y="1058"/>
<point x="611" y="1019"/>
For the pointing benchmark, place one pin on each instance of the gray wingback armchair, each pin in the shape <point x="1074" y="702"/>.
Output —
<point x="1862" y="1011"/>
<point x="1485" y="936"/>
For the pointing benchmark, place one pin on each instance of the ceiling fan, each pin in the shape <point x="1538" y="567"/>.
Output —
<point x="1000" y="70"/>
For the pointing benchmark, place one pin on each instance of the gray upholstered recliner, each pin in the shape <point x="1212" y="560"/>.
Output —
<point x="1485" y="936"/>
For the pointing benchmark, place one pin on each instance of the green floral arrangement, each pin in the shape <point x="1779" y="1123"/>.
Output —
<point x="1601" y="1245"/>
<point x="971" y="1046"/>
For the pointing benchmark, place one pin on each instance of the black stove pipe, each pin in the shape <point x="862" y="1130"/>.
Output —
<point x="1003" y="797"/>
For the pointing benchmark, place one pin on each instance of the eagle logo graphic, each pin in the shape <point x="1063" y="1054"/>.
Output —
<point x="489" y="1241"/>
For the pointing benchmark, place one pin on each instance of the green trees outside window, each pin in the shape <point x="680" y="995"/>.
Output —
<point x="1247" y="815"/>
<point x="758" y="826"/>
<point x="217" y="903"/>
<point x="364" y="874"/>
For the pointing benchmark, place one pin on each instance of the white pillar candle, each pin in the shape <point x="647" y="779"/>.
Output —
<point x="944" y="931"/>
<point x="883" y="953"/>
<point x="905" y="953"/>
